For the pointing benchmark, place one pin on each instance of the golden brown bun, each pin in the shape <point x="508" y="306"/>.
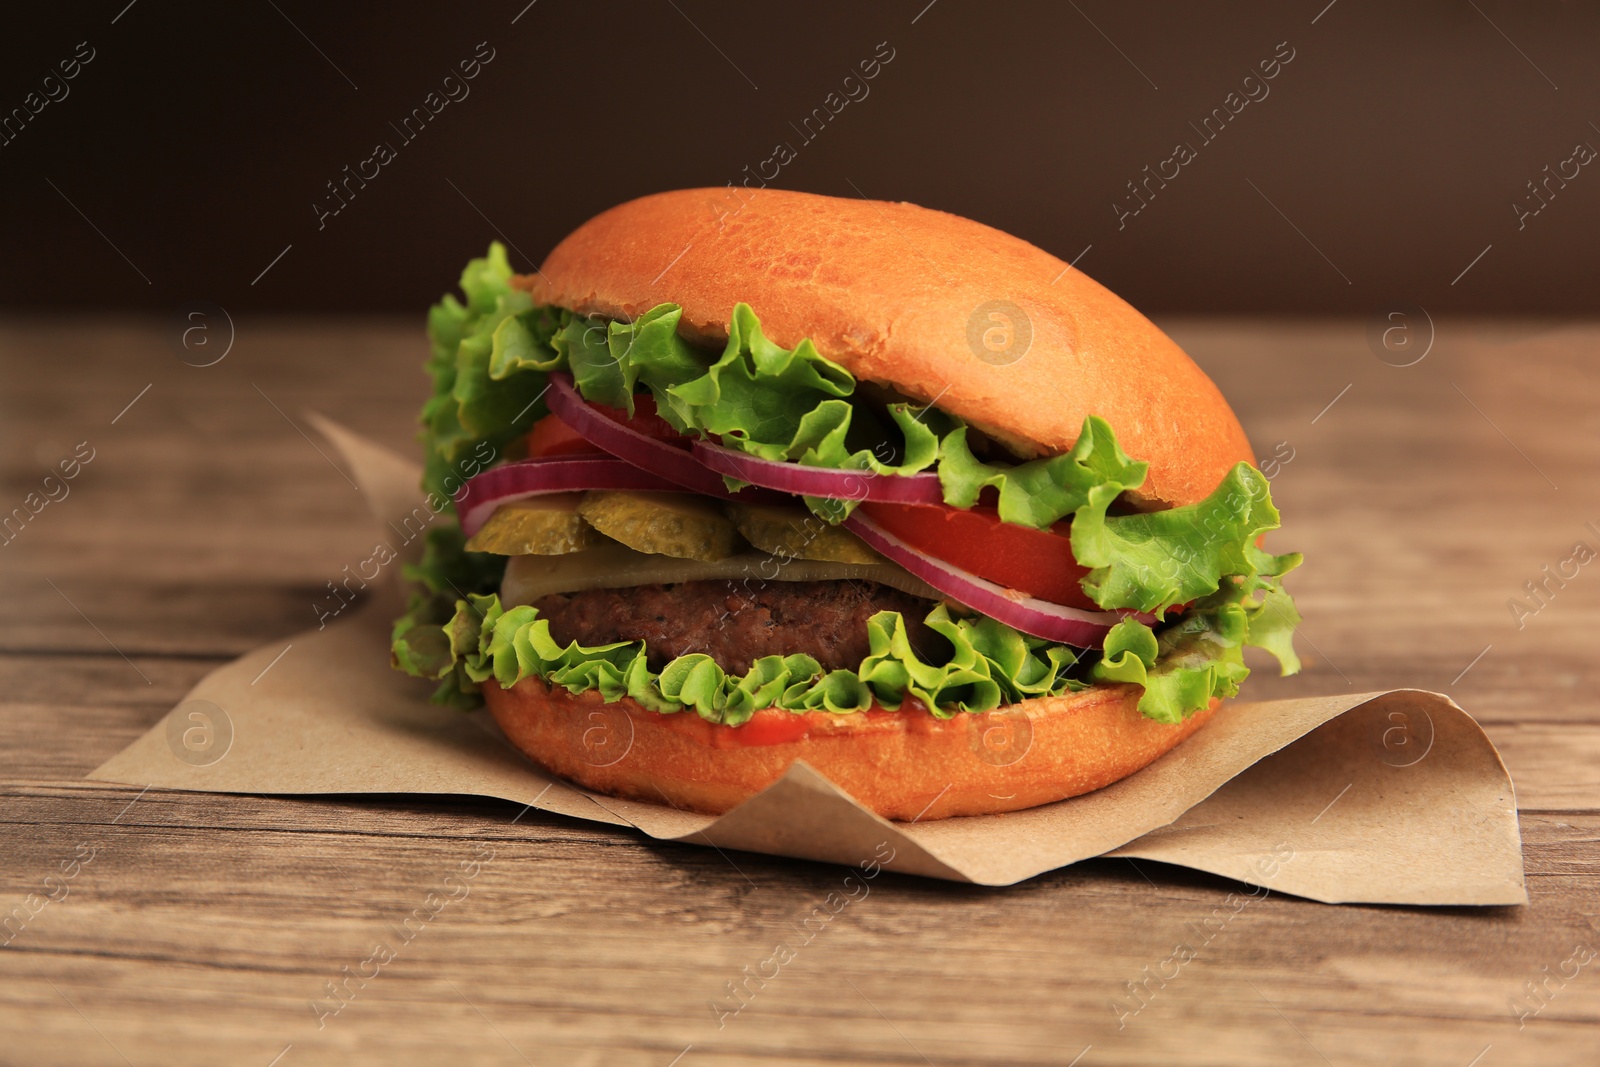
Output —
<point x="890" y="291"/>
<point x="903" y="765"/>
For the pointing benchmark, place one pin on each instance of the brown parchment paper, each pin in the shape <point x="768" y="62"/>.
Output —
<point x="1395" y="798"/>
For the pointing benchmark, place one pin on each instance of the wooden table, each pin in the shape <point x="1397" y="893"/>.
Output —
<point x="204" y="926"/>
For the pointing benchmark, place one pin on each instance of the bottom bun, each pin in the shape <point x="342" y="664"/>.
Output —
<point x="905" y="765"/>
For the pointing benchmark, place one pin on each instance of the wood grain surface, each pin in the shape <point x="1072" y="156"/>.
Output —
<point x="205" y="929"/>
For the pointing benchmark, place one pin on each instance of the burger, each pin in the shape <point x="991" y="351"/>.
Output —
<point x="739" y="478"/>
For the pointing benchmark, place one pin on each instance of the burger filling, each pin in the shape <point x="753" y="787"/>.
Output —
<point x="1008" y="579"/>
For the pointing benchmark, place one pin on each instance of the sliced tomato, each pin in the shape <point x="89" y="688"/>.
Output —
<point x="552" y="437"/>
<point x="1036" y="562"/>
<point x="772" y="726"/>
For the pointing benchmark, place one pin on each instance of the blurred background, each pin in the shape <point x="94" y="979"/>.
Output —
<point x="1307" y="157"/>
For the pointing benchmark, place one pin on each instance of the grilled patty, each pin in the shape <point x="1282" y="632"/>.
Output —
<point x="736" y="624"/>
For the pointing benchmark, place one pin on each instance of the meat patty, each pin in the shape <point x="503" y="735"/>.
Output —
<point x="736" y="625"/>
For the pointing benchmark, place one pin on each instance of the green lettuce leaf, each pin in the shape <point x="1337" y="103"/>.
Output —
<point x="1152" y="560"/>
<point x="1201" y="655"/>
<point x="1042" y="491"/>
<point x="470" y="405"/>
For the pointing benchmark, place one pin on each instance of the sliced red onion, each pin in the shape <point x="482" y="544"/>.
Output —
<point x="674" y="464"/>
<point x="538" y="477"/>
<point x="1041" y="618"/>
<point x="922" y="488"/>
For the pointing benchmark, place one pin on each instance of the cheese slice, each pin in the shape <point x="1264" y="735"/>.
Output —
<point x="615" y="566"/>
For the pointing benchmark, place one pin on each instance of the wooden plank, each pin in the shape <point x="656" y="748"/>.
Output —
<point x="227" y="950"/>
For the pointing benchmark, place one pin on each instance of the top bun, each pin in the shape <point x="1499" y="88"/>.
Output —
<point x="943" y="309"/>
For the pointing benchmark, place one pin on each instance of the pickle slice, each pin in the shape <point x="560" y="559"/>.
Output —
<point x="795" y="533"/>
<point x="537" y="526"/>
<point x="682" y="525"/>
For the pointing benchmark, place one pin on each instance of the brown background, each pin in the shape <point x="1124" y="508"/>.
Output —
<point x="1396" y="141"/>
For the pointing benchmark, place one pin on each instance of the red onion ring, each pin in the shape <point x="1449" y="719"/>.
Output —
<point x="1041" y="618"/>
<point x="538" y="477"/>
<point x="802" y="480"/>
<point x="676" y="465"/>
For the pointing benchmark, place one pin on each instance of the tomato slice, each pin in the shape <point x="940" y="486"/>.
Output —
<point x="552" y="437"/>
<point x="1036" y="562"/>
<point x="772" y="726"/>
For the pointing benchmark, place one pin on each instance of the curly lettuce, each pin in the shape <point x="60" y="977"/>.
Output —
<point x="1200" y="656"/>
<point x="491" y="357"/>
<point x="991" y="665"/>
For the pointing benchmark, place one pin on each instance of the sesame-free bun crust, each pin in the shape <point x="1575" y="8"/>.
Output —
<point x="904" y="765"/>
<point x="897" y="294"/>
